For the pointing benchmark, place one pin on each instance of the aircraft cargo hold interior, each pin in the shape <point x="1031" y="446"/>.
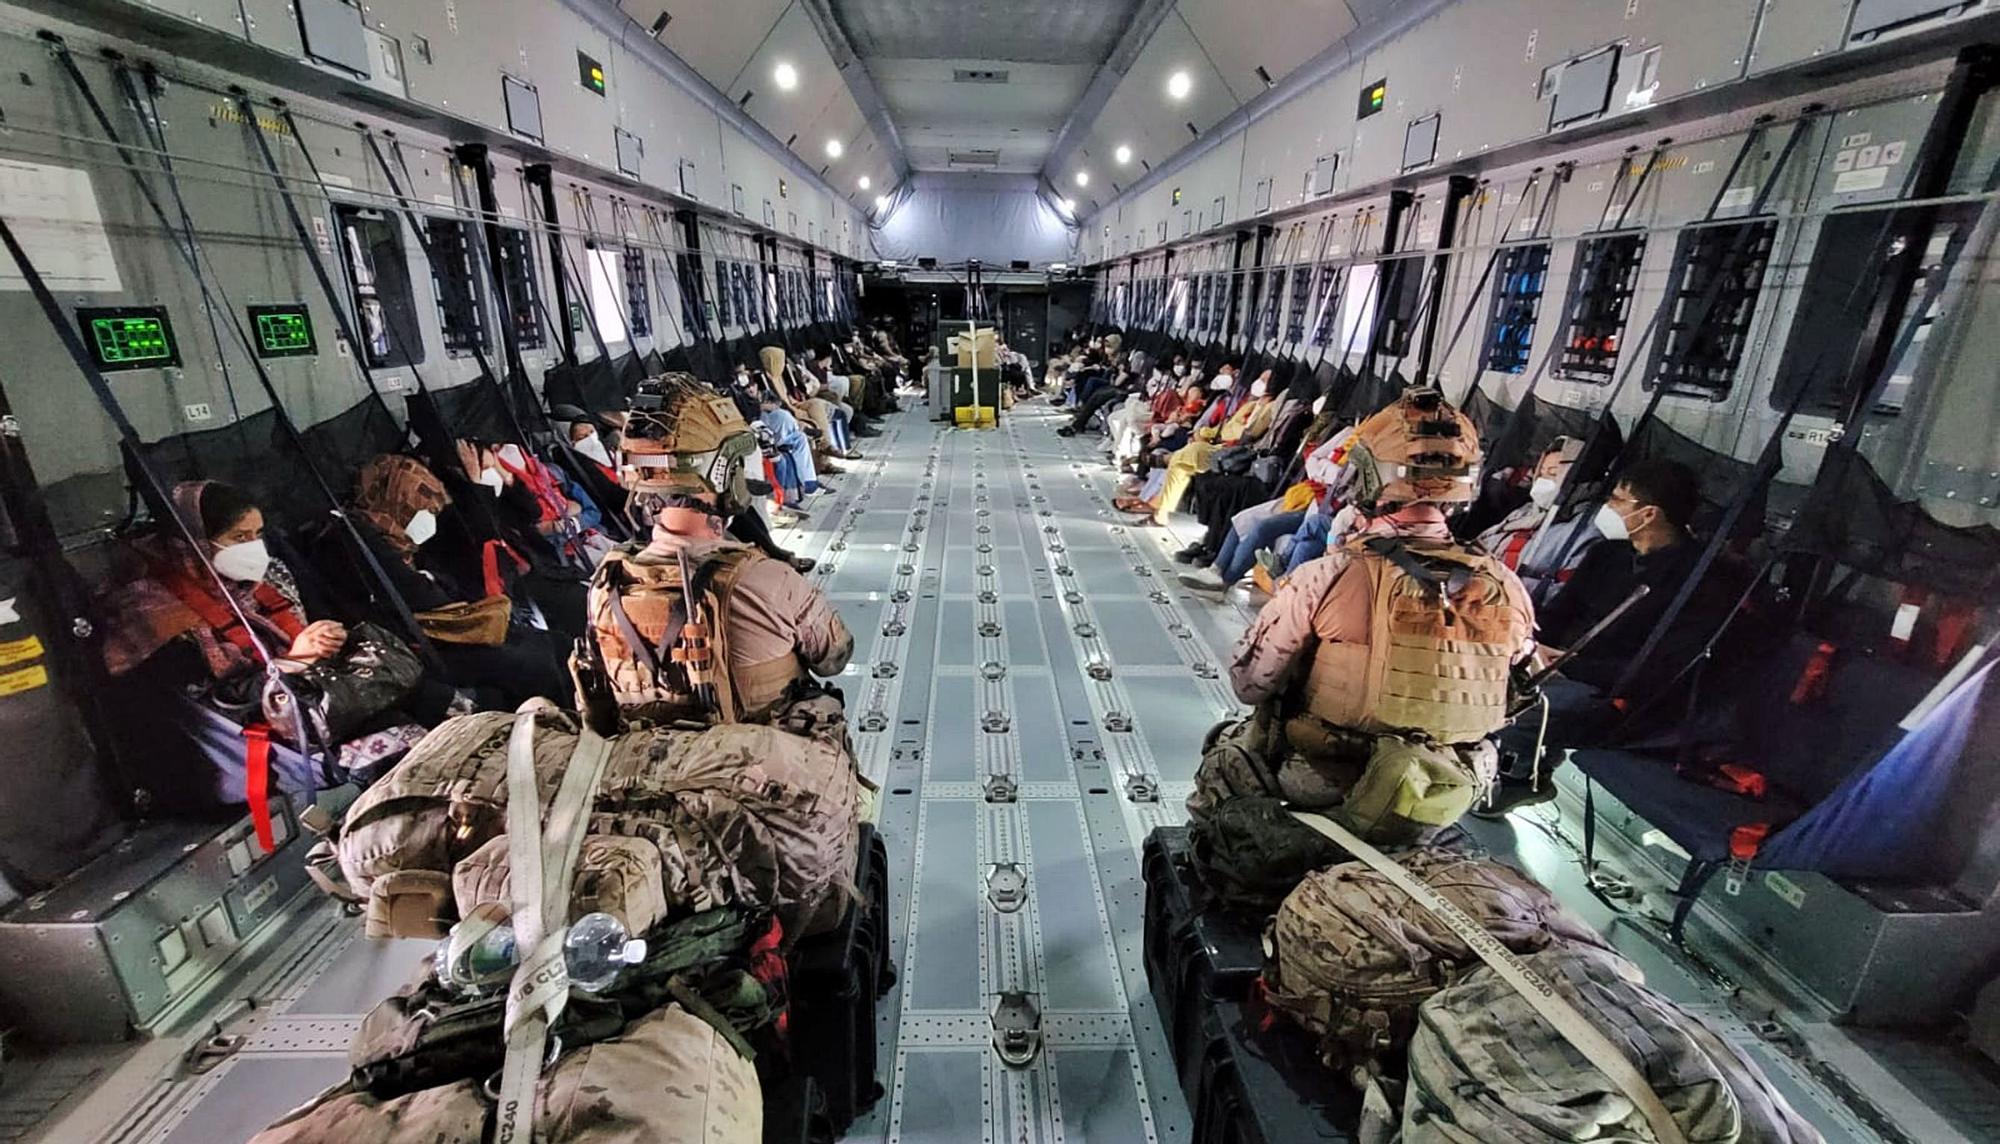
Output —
<point x="918" y="571"/>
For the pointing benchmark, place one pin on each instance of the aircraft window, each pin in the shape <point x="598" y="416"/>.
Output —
<point x="1600" y="301"/>
<point x="517" y="265"/>
<point x="666" y="287"/>
<point x="1701" y="359"/>
<point x="638" y="294"/>
<point x="734" y="273"/>
<point x="607" y="302"/>
<point x="1295" y="322"/>
<point x="1403" y="289"/>
<point x="1357" y="311"/>
<point x="1329" y="298"/>
<point x="690" y="283"/>
<point x="379" y="272"/>
<point x="1273" y="304"/>
<point x="1217" y="314"/>
<point x="1517" y="300"/>
<point x="461" y="305"/>
<point x="1826" y="328"/>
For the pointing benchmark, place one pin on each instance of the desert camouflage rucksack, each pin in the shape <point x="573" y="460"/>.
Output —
<point x="1484" y="1066"/>
<point x="1350" y="956"/>
<point x="670" y="1078"/>
<point x="739" y="813"/>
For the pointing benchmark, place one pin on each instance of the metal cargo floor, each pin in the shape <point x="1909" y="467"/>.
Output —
<point x="989" y="588"/>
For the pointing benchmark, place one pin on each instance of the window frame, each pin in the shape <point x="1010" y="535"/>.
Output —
<point x="1594" y="281"/>
<point x="1518" y="290"/>
<point x="364" y="283"/>
<point x="638" y="292"/>
<point x="1729" y="321"/>
<point x="451" y="246"/>
<point x="521" y="273"/>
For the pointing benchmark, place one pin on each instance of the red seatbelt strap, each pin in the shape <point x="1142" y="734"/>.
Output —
<point x="489" y="565"/>
<point x="257" y="782"/>
<point x="1746" y="840"/>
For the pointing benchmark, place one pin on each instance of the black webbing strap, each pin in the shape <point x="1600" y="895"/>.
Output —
<point x="334" y="300"/>
<point x="129" y="440"/>
<point x="192" y="254"/>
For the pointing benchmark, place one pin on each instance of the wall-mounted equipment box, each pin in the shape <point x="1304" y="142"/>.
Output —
<point x="283" y="330"/>
<point x="631" y="151"/>
<point x="524" y="108"/>
<point x="334" y="34"/>
<point x="689" y="184"/>
<point x="1583" y="87"/>
<point x="129" y="337"/>
<point x="1319" y="180"/>
<point x="1420" y="142"/>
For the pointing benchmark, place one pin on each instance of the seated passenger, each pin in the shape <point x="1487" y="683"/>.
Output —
<point x="789" y="439"/>
<point x="169" y="626"/>
<point x="397" y="506"/>
<point x="1543" y="551"/>
<point x="1124" y="383"/>
<point x="1644" y="524"/>
<point x="771" y="629"/>
<point x="1245" y="426"/>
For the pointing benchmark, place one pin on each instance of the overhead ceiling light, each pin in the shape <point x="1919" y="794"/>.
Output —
<point x="1083" y="178"/>
<point x="863" y="182"/>
<point x="786" y="76"/>
<point x="1180" y="84"/>
<point x="834" y="149"/>
<point x="1123" y="154"/>
<point x="881" y="202"/>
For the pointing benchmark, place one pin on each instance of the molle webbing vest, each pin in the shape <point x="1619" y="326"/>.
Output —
<point x="670" y="657"/>
<point x="1444" y="628"/>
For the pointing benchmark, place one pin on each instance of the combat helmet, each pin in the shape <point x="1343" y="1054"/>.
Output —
<point x="692" y="441"/>
<point x="1419" y="449"/>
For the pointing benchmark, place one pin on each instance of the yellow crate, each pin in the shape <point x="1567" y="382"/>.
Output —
<point x="975" y="417"/>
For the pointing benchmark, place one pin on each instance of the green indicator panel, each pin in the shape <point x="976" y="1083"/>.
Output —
<point x="283" y="331"/>
<point x="1374" y="98"/>
<point x="129" y="337"/>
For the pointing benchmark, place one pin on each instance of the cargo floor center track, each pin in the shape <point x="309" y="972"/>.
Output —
<point x="1011" y="632"/>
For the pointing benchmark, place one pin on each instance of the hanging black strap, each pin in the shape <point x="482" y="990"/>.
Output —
<point x="192" y="255"/>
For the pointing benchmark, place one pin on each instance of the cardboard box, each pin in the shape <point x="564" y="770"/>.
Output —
<point x="979" y="350"/>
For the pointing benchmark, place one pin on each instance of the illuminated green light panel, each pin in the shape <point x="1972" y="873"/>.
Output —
<point x="280" y="332"/>
<point x="129" y="339"/>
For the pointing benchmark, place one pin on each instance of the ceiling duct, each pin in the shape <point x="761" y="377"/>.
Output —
<point x="979" y="75"/>
<point x="989" y="158"/>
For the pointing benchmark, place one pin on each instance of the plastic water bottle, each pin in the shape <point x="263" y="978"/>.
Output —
<point x="595" y="951"/>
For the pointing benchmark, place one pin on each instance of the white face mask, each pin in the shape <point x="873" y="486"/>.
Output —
<point x="492" y="479"/>
<point x="1222" y="382"/>
<point x="1543" y="491"/>
<point x="512" y="455"/>
<point x="1319" y="405"/>
<point x="1610" y="524"/>
<point x="422" y="527"/>
<point x="1180" y="371"/>
<point x="1258" y="388"/>
<point x="593" y="448"/>
<point x="246" y="562"/>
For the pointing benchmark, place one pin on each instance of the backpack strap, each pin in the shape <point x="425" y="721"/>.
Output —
<point x="1571" y="1025"/>
<point x="543" y="855"/>
<point x="715" y="585"/>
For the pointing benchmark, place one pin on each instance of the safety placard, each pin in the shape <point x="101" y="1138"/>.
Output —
<point x="26" y="679"/>
<point x="20" y="651"/>
<point x="53" y="211"/>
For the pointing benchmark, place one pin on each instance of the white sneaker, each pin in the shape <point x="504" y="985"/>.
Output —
<point x="1204" y="580"/>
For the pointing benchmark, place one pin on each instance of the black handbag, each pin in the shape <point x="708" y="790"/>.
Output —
<point x="1232" y="461"/>
<point x="343" y="696"/>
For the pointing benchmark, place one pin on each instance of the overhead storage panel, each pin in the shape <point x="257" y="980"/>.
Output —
<point x="333" y="34"/>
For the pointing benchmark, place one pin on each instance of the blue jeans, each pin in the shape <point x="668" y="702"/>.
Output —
<point x="1309" y="541"/>
<point x="838" y="423"/>
<point x="1239" y="550"/>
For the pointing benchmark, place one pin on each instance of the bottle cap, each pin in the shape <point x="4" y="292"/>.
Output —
<point x="634" y="951"/>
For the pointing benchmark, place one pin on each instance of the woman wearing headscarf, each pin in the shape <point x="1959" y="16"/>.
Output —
<point x="397" y="505"/>
<point x="201" y="605"/>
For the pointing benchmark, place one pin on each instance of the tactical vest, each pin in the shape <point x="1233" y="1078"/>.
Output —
<point x="1445" y="625"/>
<point x="671" y="660"/>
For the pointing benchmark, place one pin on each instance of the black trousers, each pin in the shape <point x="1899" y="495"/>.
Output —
<point x="750" y="527"/>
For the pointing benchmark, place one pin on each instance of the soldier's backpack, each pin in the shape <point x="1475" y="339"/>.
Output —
<point x="1349" y="956"/>
<point x="659" y="625"/>
<point x="1485" y="1066"/>
<point x="738" y="813"/>
<point x="1238" y="759"/>
<point x="670" y="1076"/>
<point x="1250" y="852"/>
<point x="1446" y="623"/>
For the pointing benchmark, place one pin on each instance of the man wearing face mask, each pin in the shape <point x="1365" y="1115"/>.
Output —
<point x="694" y="624"/>
<point x="1338" y="661"/>
<point x="1644" y="523"/>
<point x="1536" y="543"/>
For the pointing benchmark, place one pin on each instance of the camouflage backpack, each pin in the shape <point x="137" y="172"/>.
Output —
<point x="1239" y="758"/>
<point x="1350" y="956"/>
<point x="1485" y="1066"/>
<point x="1250" y="852"/>
<point x="669" y="1078"/>
<point x="737" y="813"/>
